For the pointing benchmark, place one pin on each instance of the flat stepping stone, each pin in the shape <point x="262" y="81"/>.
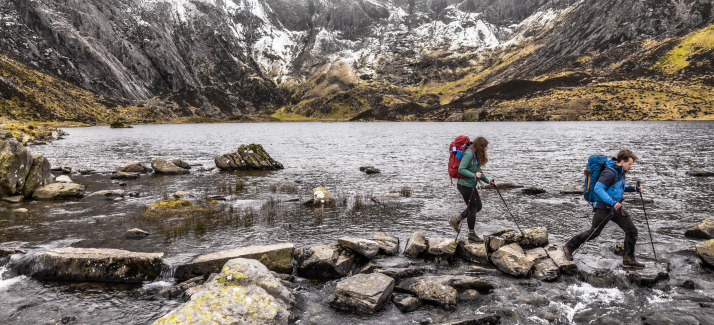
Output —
<point x="363" y="293"/>
<point x="649" y="276"/>
<point x="365" y="247"/>
<point x="388" y="244"/>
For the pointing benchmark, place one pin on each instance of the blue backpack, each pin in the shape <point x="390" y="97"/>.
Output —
<point x="596" y="164"/>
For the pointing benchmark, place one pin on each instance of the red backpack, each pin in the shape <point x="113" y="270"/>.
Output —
<point x="456" y="150"/>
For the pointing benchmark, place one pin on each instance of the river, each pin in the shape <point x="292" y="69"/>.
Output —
<point x="549" y="155"/>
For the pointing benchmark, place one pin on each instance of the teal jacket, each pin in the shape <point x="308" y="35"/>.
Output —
<point x="469" y="167"/>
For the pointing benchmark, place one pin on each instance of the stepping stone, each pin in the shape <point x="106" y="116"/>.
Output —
<point x="650" y="275"/>
<point x="364" y="247"/>
<point x="363" y="293"/>
<point x="556" y="254"/>
<point x="544" y="268"/>
<point x="388" y="245"/>
<point x="407" y="303"/>
<point x="416" y="244"/>
<point x="445" y="247"/>
<point x="511" y="259"/>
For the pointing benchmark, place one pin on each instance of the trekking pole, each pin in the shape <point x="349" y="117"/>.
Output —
<point x="467" y="208"/>
<point x="646" y="221"/>
<point x="507" y="208"/>
<point x="594" y="231"/>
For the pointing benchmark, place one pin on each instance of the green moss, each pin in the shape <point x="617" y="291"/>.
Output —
<point x="170" y="204"/>
<point x="694" y="43"/>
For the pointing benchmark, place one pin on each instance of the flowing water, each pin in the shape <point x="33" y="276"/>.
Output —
<point x="549" y="155"/>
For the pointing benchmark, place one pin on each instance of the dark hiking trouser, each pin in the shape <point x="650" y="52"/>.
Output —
<point x="473" y="207"/>
<point x="621" y="218"/>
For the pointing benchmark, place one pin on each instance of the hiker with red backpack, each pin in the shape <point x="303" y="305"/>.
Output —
<point x="605" y="186"/>
<point x="465" y="163"/>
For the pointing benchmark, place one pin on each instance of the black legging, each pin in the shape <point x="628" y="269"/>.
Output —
<point x="473" y="208"/>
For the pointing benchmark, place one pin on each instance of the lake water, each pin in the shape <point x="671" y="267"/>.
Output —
<point x="549" y="155"/>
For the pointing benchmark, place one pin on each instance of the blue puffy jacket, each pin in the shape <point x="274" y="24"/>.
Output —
<point x="611" y="186"/>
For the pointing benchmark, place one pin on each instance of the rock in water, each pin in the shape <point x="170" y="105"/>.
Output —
<point x="534" y="237"/>
<point x="705" y="251"/>
<point x="163" y="166"/>
<point x="650" y="275"/>
<point x="94" y="264"/>
<point x="700" y="173"/>
<point x="493" y="243"/>
<point x="556" y="254"/>
<point x="704" y="230"/>
<point x="544" y="268"/>
<point x="388" y="244"/>
<point x="248" y="157"/>
<point x="324" y="261"/>
<point x="63" y="179"/>
<point x="136" y="233"/>
<point x="533" y="190"/>
<point x="181" y="195"/>
<point x="120" y="125"/>
<point x="372" y="170"/>
<point x="474" y="252"/>
<point x="12" y="199"/>
<point x="7" y="251"/>
<point x="406" y="303"/>
<point x="59" y="191"/>
<point x="487" y="319"/>
<point x="442" y="289"/>
<point x="21" y="172"/>
<point x="320" y="196"/>
<point x="511" y="259"/>
<point x="276" y="258"/>
<point x="363" y="293"/>
<point x="133" y="167"/>
<point x="364" y="168"/>
<point x="123" y="175"/>
<point x="106" y="195"/>
<point x="176" y="291"/>
<point x="181" y="163"/>
<point x="364" y="247"/>
<point x="416" y="244"/>
<point x="445" y="247"/>
<point x="244" y="292"/>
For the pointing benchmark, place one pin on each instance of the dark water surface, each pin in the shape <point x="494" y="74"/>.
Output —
<point x="550" y="155"/>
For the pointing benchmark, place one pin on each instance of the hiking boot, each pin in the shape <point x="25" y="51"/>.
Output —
<point x="455" y="223"/>
<point x="567" y="253"/>
<point x="474" y="238"/>
<point x="631" y="262"/>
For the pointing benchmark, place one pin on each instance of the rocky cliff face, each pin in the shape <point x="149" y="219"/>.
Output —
<point x="384" y="59"/>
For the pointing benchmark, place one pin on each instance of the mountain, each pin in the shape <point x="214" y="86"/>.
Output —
<point x="167" y="60"/>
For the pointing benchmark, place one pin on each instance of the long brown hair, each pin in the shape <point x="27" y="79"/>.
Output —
<point x="479" y="147"/>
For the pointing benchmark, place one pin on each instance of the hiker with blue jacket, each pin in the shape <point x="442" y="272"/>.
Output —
<point x="473" y="158"/>
<point x="609" y="189"/>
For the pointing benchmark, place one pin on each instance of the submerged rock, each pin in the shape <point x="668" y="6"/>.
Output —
<point x="416" y="244"/>
<point x="123" y="175"/>
<point x="136" y="233"/>
<point x="511" y="259"/>
<point x="248" y="157"/>
<point x="324" y="261"/>
<point x="133" y="167"/>
<point x="474" y="252"/>
<point x="93" y="264"/>
<point x="163" y="166"/>
<point x="106" y="195"/>
<point x="59" y="191"/>
<point x="364" y="247"/>
<point x="704" y="230"/>
<point x="445" y="247"/>
<point x="276" y="258"/>
<point x="362" y="293"/>
<point x="407" y="303"/>
<point x="244" y="292"/>
<point x="556" y="254"/>
<point x="388" y="244"/>
<point x="544" y="268"/>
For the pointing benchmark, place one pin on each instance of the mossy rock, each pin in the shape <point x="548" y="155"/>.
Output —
<point x="170" y="204"/>
<point x="119" y="125"/>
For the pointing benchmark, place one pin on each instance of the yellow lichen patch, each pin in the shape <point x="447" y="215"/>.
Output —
<point x="696" y="42"/>
<point x="170" y="204"/>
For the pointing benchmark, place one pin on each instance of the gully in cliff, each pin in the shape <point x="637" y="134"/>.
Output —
<point x="465" y="161"/>
<point x="606" y="194"/>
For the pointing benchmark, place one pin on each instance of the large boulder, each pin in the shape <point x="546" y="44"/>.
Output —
<point x="511" y="259"/>
<point x="388" y="244"/>
<point x="362" y="293"/>
<point x="416" y="244"/>
<point x="442" y="289"/>
<point x="59" y="191"/>
<point x="556" y="254"/>
<point x="534" y="237"/>
<point x="705" y="251"/>
<point x="324" y="261"/>
<point x="244" y="292"/>
<point x="248" y="157"/>
<point x="364" y="247"/>
<point x="133" y="167"/>
<point x="445" y="247"/>
<point x="544" y="268"/>
<point x="704" y="230"/>
<point x="93" y="264"/>
<point x="21" y="172"/>
<point x="276" y="258"/>
<point x="163" y="166"/>
<point x="474" y="252"/>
